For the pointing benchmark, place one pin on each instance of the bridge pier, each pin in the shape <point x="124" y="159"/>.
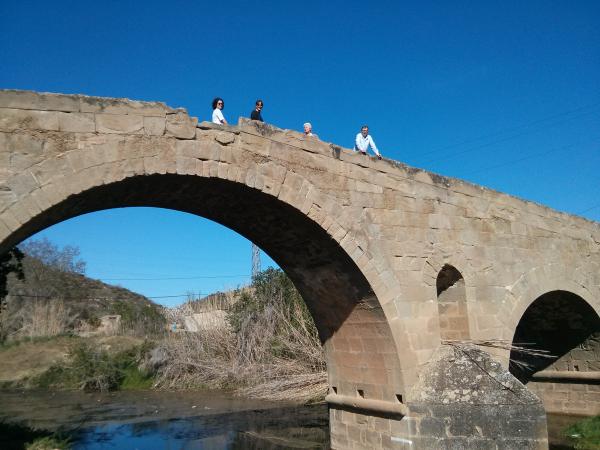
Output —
<point x="463" y="400"/>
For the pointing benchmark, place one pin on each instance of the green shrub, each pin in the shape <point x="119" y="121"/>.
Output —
<point x="49" y="443"/>
<point x="585" y="434"/>
<point x="271" y="287"/>
<point x="91" y="369"/>
<point x="140" y="319"/>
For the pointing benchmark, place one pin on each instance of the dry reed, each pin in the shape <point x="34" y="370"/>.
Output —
<point x="46" y="318"/>
<point x="275" y="355"/>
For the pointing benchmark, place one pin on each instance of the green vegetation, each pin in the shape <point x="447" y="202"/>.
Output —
<point x="585" y="434"/>
<point x="49" y="443"/>
<point x="93" y="369"/>
<point x="141" y="319"/>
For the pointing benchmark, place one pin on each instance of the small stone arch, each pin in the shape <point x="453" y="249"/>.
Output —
<point x="452" y="304"/>
<point x="450" y="290"/>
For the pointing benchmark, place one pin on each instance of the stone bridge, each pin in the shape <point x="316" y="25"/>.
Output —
<point x="413" y="279"/>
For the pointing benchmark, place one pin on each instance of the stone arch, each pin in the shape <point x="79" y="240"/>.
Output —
<point x="564" y="330"/>
<point x="277" y="209"/>
<point x="442" y="262"/>
<point x="540" y="280"/>
<point x="452" y="304"/>
<point x="535" y="283"/>
<point x="556" y="322"/>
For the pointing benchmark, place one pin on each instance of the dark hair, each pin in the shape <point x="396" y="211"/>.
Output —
<point x="364" y="126"/>
<point x="216" y="100"/>
<point x="259" y="101"/>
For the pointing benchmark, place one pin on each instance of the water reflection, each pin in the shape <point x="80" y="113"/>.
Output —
<point x="155" y="420"/>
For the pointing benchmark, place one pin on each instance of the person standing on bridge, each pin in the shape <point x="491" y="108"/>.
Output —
<point x="217" y="116"/>
<point x="364" y="140"/>
<point x="308" y="130"/>
<point x="255" y="114"/>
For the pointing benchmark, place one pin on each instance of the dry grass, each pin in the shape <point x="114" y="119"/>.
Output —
<point x="276" y="355"/>
<point x="45" y="318"/>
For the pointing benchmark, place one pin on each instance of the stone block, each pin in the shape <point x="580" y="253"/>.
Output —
<point x="9" y="220"/>
<point x="38" y="101"/>
<point x="23" y="183"/>
<point x="154" y="126"/>
<point x="76" y="122"/>
<point x="119" y="123"/>
<point x="122" y="106"/>
<point x="20" y="119"/>
<point x="181" y="125"/>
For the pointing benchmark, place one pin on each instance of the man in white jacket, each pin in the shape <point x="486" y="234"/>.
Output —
<point x="363" y="140"/>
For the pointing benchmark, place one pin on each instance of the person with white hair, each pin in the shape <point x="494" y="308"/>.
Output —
<point x="308" y="130"/>
<point x="364" y="140"/>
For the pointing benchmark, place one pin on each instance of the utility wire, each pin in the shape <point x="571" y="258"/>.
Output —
<point x="101" y="297"/>
<point x="597" y="205"/>
<point x="487" y="144"/>
<point x="535" y="155"/>
<point x="515" y="128"/>
<point x="176" y="278"/>
<point x="515" y="161"/>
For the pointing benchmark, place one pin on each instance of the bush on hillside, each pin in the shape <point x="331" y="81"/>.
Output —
<point x="93" y="369"/>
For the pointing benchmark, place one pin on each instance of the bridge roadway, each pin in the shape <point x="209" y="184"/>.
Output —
<point x="403" y="270"/>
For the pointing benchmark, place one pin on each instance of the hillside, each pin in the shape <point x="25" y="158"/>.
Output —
<point x="53" y="299"/>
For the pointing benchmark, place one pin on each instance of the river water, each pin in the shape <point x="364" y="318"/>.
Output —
<point x="211" y="420"/>
<point x="162" y="420"/>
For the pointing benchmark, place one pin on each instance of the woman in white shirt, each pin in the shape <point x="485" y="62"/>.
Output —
<point x="217" y="117"/>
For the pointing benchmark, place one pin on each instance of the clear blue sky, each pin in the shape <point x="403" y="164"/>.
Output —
<point x="502" y="94"/>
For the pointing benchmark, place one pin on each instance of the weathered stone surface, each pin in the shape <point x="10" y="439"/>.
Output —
<point x="19" y="119"/>
<point x="122" y="106"/>
<point x="181" y="125"/>
<point x="76" y="122"/>
<point x="154" y="126"/>
<point x="35" y="100"/>
<point x="119" y="123"/>
<point x="365" y="241"/>
<point x="466" y="396"/>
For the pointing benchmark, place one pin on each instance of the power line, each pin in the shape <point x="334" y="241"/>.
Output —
<point x="536" y="155"/>
<point x="62" y="297"/>
<point x="597" y="205"/>
<point x="176" y="278"/>
<point x="487" y="144"/>
<point x="515" y="128"/>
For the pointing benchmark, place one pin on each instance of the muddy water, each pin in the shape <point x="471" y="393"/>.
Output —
<point x="178" y="420"/>
<point x="169" y="420"/>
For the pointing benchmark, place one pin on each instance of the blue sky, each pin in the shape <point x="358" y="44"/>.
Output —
<point x="502" y="94"/>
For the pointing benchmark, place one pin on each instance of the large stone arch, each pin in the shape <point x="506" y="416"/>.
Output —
<point x="278" y="209"/>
